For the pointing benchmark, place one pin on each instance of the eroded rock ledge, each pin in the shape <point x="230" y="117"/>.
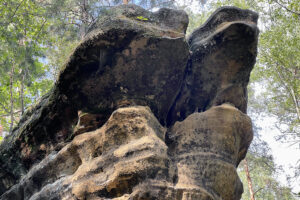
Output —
<point x="140" y="112"/>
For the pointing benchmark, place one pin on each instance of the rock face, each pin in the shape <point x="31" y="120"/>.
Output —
<point x="223" y="53"/>
<point x="140" y="112"/>
<point x="108" y="162"/>
<point x="207" y="147"/>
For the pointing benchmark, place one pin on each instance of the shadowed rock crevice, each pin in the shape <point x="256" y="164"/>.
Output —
<point x="223" y="53"/>
<point x="140" y="112"/>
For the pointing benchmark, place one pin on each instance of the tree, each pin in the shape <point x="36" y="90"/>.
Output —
<point x="22" y="33"/>
<point x="280" y="63"/>
<point x="1" y="130"/>
<point x="258" y="173"/>
<point x="263" y="171"/>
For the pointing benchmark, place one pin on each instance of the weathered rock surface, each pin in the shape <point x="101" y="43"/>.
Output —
<point x="140" y="113"/>
<point x="107" y="163"/>
<point x="223" y="54"/>
<point x="122" y="61"/>
<point x="207" y="147"/>
<point x="128" y="158"/>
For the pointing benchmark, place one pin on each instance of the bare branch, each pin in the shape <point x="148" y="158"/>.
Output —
<point x="286" y="8"/>
<point x="6" y="115"/>
<point x="14" y="13"/>
<point x="40" y="30"/>
<point x="258" y="190"/>
<point x="4" y="107"/>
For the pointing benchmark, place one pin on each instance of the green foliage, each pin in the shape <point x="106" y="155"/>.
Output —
<point x="280" y="64"/>
<point x="263" y="174"/>
<point x="22" y="36"/>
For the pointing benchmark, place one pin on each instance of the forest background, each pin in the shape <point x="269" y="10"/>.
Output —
<point x="37" y="36"/>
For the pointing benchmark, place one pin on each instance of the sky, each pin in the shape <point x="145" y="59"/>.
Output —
<point x="284" y="154"/>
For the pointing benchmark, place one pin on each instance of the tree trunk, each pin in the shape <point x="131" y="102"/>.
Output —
<point x="125" y="1"/>
<point x="84" y="19"/>
<point x="290" y="90"/>
<point x="11" y="97"/>
<point x="295" y="100"/>
<point x="1" y="130"/>
<point x="250" y="186"/>
<point x="22" y="94"/>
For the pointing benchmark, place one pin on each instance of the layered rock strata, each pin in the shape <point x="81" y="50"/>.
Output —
<point x="139" y="112"/>
<point x="207" y="147"/>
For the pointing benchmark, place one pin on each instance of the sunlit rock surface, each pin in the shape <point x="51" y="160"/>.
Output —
<point x="140" y="112"/>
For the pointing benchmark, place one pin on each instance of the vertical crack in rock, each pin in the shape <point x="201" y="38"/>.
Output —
<point x="223" y="53"/>
<point x="139" y="112"/>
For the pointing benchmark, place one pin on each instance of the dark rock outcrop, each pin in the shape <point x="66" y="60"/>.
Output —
<point x="138" y="112"/>
<point x="223" y="53"/>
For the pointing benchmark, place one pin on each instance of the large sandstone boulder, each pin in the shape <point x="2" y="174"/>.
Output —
<point x="130" y="57"/>
<point x="140" y="112"/>
<point x="106" y="163"/>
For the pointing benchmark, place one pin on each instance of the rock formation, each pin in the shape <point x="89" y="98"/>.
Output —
<point x="140" y="112"/>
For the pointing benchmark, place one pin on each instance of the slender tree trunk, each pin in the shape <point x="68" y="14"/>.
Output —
<point x="11" y="98"/>
<point x="1" y="129"/>
<point x="291" y="91"/>
<point x="250" y="186"/>
<point x="84" y="19"/>
<point x="295" y="100"/>
<point x="22" y="94"/>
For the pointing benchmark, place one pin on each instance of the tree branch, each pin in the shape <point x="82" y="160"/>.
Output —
<point x="14" y="13"/>
<point x="286" y="8"/>
<point x="38" y="33"/>
<point x="258" y="190"/>
<point x="4" y="108"/>
<point x="6" y="115"/>
<point x="290" y="90"/>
